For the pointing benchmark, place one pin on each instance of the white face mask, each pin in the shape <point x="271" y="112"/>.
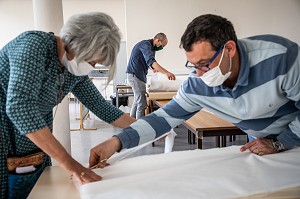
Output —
<point x="80" y="69"/>
<point x="214" y="77"/>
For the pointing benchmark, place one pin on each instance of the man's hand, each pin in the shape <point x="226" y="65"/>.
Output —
<point x="260" y="146"/>
<point x="171" y="76"/>
<point x="100" y="153"/>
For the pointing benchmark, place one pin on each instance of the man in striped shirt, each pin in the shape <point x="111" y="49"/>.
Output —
<point x="253" y="83"/>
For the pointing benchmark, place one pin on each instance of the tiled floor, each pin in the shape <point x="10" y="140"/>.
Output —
<point x="84" y="140"/>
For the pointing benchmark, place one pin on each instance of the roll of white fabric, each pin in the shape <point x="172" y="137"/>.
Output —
<point x="160" y="82"/>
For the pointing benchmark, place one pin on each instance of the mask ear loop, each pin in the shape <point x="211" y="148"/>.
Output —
<point x="221" y="56"/>
<point x="230" y="64"/>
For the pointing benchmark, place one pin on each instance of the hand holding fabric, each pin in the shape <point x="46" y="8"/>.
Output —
<point x="100" y="153"/>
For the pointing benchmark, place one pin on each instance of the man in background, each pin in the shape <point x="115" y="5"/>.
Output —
<point x="143" y="58"/>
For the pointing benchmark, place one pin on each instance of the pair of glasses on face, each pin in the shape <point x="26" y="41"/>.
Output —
<point x="204" y="67"/>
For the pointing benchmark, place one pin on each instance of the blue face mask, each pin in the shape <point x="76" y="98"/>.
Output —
<point x="157" y="48"/>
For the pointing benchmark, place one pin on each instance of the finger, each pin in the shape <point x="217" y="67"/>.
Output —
<point x="93" y="177"/>
<point x="79" y="177"/>
<point x="93" y="159"/>
<point x="255" y="150"/>
<point x="102" y="165"/>
<point x="89" y="176"/>
<point x="247" y="146"/>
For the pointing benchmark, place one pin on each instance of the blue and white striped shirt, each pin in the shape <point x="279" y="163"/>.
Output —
<point x="264" y="101"/>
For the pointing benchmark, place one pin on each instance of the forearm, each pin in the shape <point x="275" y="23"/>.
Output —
<point x="49" y="144"/>
<point x="159" y="68"/>
<point x="124" y="121"/>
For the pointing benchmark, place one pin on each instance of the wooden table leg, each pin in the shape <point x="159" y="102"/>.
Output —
<point x="194" y="138"/>
<point x="199" y="143"/>
<point x="224" y="141"/>
<point x="218" y="141"/>
<point x="189" y="137"/>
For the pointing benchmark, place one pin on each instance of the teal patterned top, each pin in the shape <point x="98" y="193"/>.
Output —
<point x="32" y="82"/>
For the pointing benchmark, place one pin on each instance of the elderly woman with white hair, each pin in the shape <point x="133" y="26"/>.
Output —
<point x="37" y="70"/>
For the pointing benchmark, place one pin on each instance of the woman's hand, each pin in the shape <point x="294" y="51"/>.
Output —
<point x="260" y="146"/>
<point x="80" y="173"/>
<point x="100" y="153"/>
<point x="44" y="139"/>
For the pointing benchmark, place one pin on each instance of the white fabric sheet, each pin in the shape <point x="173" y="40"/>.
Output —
<point x="213" y="173"/>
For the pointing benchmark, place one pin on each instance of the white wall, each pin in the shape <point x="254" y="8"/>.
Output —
<point x="145" y="19"/>
<point x="114" y="8"/>
<point x="16" y="16"/>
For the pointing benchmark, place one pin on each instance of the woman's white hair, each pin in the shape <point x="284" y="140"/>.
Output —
<point x="93" y="36"/>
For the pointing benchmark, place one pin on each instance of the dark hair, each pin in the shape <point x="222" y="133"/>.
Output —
<point x="212" y="28"/>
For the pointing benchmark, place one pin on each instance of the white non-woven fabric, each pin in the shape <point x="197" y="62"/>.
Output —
<point x="212" y="173"/>
<point x="159" y="82"/>
<point x="169" y="141"/>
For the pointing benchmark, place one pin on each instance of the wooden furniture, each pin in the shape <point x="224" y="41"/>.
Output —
<point x="54" y="183"/>
<point x="206" y="124"/>
<point x="82" y="116"/>
<point x="153" y="96"/>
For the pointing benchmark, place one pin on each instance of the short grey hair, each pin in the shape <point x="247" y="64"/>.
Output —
<point x="160" y="36"/>
<point x="93" y="36"/>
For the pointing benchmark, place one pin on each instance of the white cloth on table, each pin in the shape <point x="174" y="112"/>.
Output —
<point x="212" y="173"/>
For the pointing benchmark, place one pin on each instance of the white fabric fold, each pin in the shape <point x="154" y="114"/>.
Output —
<point x="169" y="142"/>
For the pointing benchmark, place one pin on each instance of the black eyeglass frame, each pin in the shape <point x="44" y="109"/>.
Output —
<point x="200" y="67"/>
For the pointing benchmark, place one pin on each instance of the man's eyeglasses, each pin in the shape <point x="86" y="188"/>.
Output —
<point x="203" y="66"/>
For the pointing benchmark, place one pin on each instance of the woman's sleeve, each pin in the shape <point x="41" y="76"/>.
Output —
<point x="88" y="94"/>
<point x="27" y="67"/>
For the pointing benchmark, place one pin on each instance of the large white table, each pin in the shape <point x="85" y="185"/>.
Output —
<point x="55" y="183"/>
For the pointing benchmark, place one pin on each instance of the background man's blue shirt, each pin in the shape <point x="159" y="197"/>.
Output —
<point x="142" y="57"/>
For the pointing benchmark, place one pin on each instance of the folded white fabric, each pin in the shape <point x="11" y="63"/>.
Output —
<point x="125" y="109"/>
<point x="213" y="173"/>
<point x="159" y="82"/>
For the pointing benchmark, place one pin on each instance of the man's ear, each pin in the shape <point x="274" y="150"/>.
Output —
<point x="230" y="46"/>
